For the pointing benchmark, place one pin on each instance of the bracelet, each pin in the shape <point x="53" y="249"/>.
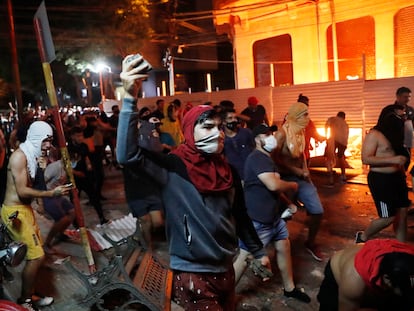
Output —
<point x="57" y="192"/>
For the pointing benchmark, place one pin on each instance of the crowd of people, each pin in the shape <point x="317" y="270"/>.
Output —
<point x="221" y="186"/>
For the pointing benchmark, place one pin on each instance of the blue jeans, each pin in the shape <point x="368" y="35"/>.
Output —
<point x="307" y="194"/>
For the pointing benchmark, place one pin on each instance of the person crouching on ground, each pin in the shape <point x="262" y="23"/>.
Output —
<point x="377" y="275"/>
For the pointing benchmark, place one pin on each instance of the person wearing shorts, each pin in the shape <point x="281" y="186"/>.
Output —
<point x="383" y="150"/>
<point x="337" y="132"/>
<point x="24" y="228"/>
<point x="262" y="185"/>
<point x="19" y="194"/>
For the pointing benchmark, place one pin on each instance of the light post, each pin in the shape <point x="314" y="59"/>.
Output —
<point x="100" y="68"/>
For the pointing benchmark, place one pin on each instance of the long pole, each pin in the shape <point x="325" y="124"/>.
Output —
<point x="51" y="91"/>
<point x="15" y="63"/>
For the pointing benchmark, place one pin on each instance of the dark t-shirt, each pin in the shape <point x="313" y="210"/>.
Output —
<point x="262" y="204"/>
<point x="237" y="149"/>
<point x="256" y="117"/>
<point x="79" y="152"/>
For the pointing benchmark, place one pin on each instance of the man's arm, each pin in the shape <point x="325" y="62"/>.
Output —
<point x="369" y="152"/>
<point x="273" y="182"/>
<point x="127" y="137"/>
<point x="18" y="169"/>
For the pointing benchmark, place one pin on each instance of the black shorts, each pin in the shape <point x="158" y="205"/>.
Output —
<point x="389" y="192"/>
<point x="341" y="149"/>
<point x="141" y="207"/>
<point x="328" y="292"/>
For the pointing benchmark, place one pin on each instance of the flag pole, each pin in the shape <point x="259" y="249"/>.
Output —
<point x="40" y="36"/>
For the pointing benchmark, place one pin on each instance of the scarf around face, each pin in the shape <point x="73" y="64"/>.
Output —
<point x="294" y="128"/>
<point x="32" y="146"/>
<point x="208" y="172"/>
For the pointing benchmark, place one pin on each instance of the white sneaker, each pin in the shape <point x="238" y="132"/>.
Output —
<point x="287" y="213"/>
<point x="42" y="301"/>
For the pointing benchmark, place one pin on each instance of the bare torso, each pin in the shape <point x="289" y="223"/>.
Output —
<point x="17" y="165"/>
<point x="286" y="163"/>
<point x="378" y="153"/>
<point x="351" y="287"/>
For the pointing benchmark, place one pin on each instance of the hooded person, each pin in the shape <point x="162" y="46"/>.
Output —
<point x="296" y="122"/>
<point x="291" y="160"/>
<point x="22" y="169"/>
<point x="31" y="147"/>
<point x="203" y="200"/>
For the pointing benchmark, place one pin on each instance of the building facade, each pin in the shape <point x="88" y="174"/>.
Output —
<point x="281" y="43"/>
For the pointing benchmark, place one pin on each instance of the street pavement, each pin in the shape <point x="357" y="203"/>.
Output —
<point x="348" y="208"/>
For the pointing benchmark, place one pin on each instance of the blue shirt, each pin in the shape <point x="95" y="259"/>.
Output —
<point x="238" y="148"/>
<point x="262" y="204"/>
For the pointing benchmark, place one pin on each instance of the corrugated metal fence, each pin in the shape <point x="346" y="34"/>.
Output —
<point x="361" y="100"/>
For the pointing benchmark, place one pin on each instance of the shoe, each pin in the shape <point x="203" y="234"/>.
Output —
<point x="299" y="294"/>
<point x="27" y="304"/>
<point x="39" y="301"/>
<point x="314" y="251"/>
<point x="288" y="213"/>
<point x="358" y="237"/>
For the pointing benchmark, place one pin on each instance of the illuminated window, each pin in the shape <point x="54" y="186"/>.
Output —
<point x="355" y="38"/>
<point x="403" y="42"/>
<point x="277" y="51"/>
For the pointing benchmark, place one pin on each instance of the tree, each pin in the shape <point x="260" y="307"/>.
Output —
<point x="106" y="28"/>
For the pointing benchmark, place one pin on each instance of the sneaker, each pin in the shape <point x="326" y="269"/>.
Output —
<point x="314" y="251"/>
<point x="297" y="293"/>
<point x="358" y="237"/>
<point x="27" y="304"/>
<point x="288" y="213"/>
<point x="39" y="301"/>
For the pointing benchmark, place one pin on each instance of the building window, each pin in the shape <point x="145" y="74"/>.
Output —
<point x="355" y="38"/>
<point x="403" y="42"/>
<point x="273" y="56"/>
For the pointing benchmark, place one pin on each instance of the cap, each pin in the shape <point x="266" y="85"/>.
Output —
<point x="252" y="101"/>
<point x="263" y="129"/>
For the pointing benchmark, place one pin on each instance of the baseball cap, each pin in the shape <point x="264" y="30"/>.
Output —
<point x="252" y="100"/>
<point x="263" y="129"/>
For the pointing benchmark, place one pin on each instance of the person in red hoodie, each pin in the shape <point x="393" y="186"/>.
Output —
<point x="378" y="274"/>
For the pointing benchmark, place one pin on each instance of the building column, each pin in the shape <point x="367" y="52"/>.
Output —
<point x="384" y="45"/>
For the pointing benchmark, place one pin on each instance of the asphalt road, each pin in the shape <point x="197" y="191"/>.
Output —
<point x="348" y="208"/>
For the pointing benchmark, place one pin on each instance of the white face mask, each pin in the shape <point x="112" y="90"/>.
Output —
<point x="210" y="144"/>
<point x="270" y="143"/>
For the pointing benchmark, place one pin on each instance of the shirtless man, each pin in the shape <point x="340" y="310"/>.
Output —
<point x="19" y="194"/>
<point x="383" y="151"/>
<point x="291" y="161"/>
<point x="377" y="275"/>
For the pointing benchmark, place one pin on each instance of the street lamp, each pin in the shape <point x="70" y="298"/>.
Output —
<point x="100" y="67"/>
